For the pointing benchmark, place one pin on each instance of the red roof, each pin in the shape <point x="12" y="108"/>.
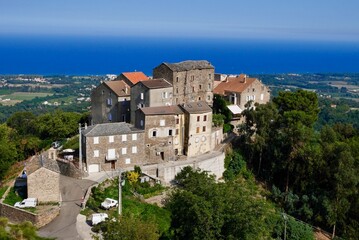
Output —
<point x="234" y="84"/>
<point x="135" y="77"/>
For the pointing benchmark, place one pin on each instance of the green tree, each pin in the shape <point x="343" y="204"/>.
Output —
<point x="8" y="151"/>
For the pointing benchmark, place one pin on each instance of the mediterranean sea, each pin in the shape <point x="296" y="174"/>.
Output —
<point x="98" y="55"/>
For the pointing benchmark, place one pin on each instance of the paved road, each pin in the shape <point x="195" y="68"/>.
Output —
<point x="64" y="225"/>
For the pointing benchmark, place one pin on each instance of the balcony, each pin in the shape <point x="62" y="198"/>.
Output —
<point x="112" y="157"/>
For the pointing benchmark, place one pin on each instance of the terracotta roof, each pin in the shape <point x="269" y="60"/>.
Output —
<point x="108" y="129"/>
<point x="135" y="77"/>
<point x="196" y="107"/>
<point x="234" y="84"/>
<point x="120" y="88"/>
<point x="163" y="110"/>
<point x="189" y="65"/>
<point x="157" y="83"/>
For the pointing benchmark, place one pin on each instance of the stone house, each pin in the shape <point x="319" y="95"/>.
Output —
<point x="44" y="185"/>
<point x="239" y="90"/>
<point x="198" y="128"/>
<point x="131" y="78"/>
<point x="152" y="93"/>
<point x="111" y="146"/>
<point x="192" y="80"/>
<point x="164" y="132"/>
<point x="110" y="102"/>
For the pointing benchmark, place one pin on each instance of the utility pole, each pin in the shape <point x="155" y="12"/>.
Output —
<point x="119" y="194"/>
<point x="80" y="150"/>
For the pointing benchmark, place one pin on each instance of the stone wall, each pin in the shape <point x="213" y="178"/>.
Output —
<point x="212" y="162"/>
<point x="44" y="185"/>
<point x="17" y="215"/>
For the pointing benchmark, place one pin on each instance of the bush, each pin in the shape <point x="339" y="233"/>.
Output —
<point x="12" y="197"/>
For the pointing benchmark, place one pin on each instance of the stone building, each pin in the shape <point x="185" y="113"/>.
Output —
<point x="152" y="93"/>
<point x="239" y="90"/>
<point x="198" y="128"/>
<point x="110" y="102"/>
<point x="192" y="80"/>
<point x="111" y="146"/>
<point x="131" y="78"/>
<point x="44" y="185"/>
<point x="164" y="132"/>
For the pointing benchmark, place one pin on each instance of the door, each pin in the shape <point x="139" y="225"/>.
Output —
<point x="113" y="165"/>
<point x="94" y="168"/>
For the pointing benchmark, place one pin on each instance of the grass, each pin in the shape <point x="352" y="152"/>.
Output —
<point x="3" y="190"/>
<point x="130" y="204"/>
<point x="12" y="197"/>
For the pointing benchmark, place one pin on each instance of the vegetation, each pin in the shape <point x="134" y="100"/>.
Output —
<point x="3" y="190"/>
<point x="23" y="230"/>
<point x="12" y="197"/>
<point x="312" y="173"/>
<point x="154" y="220"/>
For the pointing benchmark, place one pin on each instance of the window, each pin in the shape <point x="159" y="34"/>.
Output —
<point x="254" y="89"/>
<point x="164" y="95"/>
<point x="162" y="122"/>
<point x="209" y="86"/>
<point x="209" y="76"/>
<point x="170" y="132"/>
<point x="96" y="153"/>
<point x="124" y="151"/>
<point x="111" y="139"/>
<point x="192" y="89"/>
<point x="134" y="149"/>
<point x="176" y="90"/>
<point x="177" y="131"/>
<point x="204" y="118"/>
<point x="176" y="79"/>
<point x="203" y="128"/>
<point x="198" y="118"/>
<point x="208" y="97"/>
<point x="142" y="96"/>
<point x="134" y="136"/>
<point x="199" y="98"/>
<point x="109" y="102"/>
<point x="124" y="138"/>
<point x="95" y="140"/>
<point x="197" y="130"/>
<point x="141" y="123"/>
<point x="154" y="133"/>
<point x="128" y="160"/>
<point x="177" y="120"/>
<point x="110" y="117"/>
<point x="200" y="87"/>
<point x="111" y="154"/>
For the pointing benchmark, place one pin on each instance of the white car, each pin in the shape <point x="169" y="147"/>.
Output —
<point x="28" y="202"/>
<point x="96" y="218"/>
<point x="109" y="203"/>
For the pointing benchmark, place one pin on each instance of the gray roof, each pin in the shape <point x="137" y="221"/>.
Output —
<point x="109" y="129"/>
<point x="189" y="65"/>
<point x="196" y="107"/>
<point x="156" y="83"/>
<point x="163" y="110"/>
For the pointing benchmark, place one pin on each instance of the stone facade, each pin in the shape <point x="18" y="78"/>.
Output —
<point x="110" y="102"/>
<point x="164" y="132"/>
<point x="192" y="80"/>
<point x="151" y="93"/>
<point x="112" y="146"/>
<point x="198" y="128"/>
<point x="44" y="185"/>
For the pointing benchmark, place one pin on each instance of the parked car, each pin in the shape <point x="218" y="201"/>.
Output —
<point x="109" y="203"/>
<point x="96" y="218"/>
<point x="28" y="202"/>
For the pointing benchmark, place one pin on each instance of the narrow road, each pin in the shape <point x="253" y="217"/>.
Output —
<point x="64" y="225"/>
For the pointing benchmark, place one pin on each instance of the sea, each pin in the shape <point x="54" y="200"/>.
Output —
<point x="50" y="55"/>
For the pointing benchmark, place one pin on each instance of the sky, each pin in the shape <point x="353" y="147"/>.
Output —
<point x="329" y="20"/>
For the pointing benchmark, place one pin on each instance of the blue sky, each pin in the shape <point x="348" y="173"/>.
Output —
<point x="331" y="20"/>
